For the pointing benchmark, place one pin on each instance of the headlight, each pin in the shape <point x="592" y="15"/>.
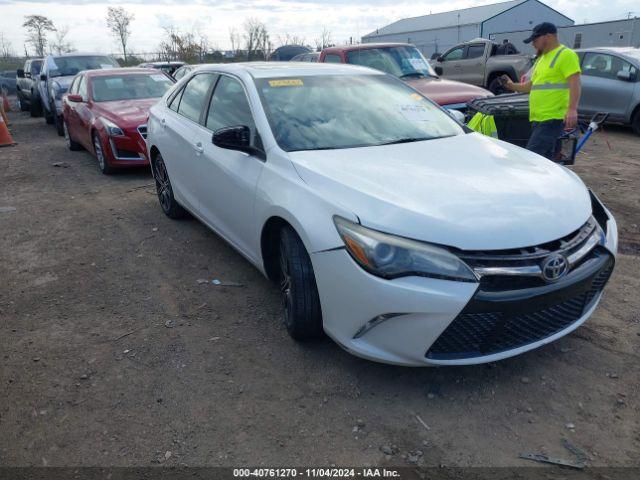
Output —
<point x="389" y="256"/>
<point x="112" y="129"/>
<point x="57" y="91"/>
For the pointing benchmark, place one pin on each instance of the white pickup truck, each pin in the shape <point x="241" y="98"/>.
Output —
<point x="479" y="62"/>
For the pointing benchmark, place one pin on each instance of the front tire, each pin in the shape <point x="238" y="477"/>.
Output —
<point x="170" y="206"/>
<point x="302" y="313"/>
<point x="495" y="87"/>
<point x="71" y="144"/>
<point x="48" y="116"/>
<point x="100" y="155"/>
<point x="57" y="122"/>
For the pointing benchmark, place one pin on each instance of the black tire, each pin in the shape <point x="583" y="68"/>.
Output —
<point x="48" y="116"/>
<point x="57" y="122"/>
<point x="71" y="144"/>
<point x="24" y="106"/>
<point x="98" y="149"/>
<point x="635" y="123"/>
<point x="495" y="87"/>
<point x="168" y="203"/>
<point x="302" y="313"/>
<point x="35" y="107"/>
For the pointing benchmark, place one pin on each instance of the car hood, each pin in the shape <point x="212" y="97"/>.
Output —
<point x="445" y="92"/>
<point x="64" y="82"/>
<point x="126" y="113"/>
<point x="468" y="191"/>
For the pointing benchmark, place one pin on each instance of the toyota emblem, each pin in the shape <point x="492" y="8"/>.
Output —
<point x="554" y="267"/>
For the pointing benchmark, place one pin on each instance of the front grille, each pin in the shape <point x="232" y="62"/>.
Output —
<point x="142" y="130"/>
<point x="491" y="265"/>
<point x="489" y="324"/>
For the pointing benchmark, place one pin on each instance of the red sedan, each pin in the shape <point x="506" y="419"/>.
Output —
<point x="406" y="62"/>
<point x="105" y="111"/>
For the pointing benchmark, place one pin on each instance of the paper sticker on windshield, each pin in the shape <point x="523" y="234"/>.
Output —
<point x="286" y="82"/>
<point x="158" y="78"/>
<point x="416" y="113"/>
<point x="417" y="96"/>
<point x="418" y="63"/>
<point x="106" y="66"/>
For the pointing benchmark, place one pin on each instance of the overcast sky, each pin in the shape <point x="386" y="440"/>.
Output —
<point x="304" y="18"/>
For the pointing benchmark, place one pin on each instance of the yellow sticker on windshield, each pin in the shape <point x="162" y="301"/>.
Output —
<point x="286" y="82"/>
<point x="416" y="96"/>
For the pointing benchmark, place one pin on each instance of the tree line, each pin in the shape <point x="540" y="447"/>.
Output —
<point x="252" y="41"/>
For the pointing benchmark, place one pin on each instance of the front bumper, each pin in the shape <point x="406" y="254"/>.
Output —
<point x="417" y="321"/>
<point x="127" y="151"/>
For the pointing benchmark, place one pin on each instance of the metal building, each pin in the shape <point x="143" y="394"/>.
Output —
<point x="438" y="32"/>
<point x="616" y="33"/>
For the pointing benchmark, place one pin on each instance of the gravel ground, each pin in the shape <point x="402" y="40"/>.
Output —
<point x="114" y="354"/>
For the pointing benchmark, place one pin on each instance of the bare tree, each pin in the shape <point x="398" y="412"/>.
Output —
<point x="324" y="40"/>
<point x="37" y="27"/>
<point x="60" y="44"/>
<point x="182" y="46"/>
<point x="236" y="41"/>
<point x="256" y="39"/>
<point x="290" y="39"/>
<point x="119" y="22"/>
<point x="6" y="49"/>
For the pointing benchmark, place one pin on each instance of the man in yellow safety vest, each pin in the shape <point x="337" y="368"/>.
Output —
<point x="554" y="89"/>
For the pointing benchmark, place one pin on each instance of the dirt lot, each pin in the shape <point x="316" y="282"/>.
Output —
<point x="92" y="273"/>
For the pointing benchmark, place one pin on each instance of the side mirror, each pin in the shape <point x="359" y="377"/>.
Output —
<point x="75" y="98"/>
<point x="20" y="73"/>
<point x="438" y="70"/>
<point x="43" y="77"/>
<point x="439" y="58"/>
<point x="237" y="137"/>
<point x="625" y="76"/>
<point x="457" y="115"/>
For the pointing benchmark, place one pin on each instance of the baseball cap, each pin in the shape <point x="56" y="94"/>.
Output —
<point x="541" y="29"/>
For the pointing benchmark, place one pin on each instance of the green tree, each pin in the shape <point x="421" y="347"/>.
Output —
<point x="119" y="21"/>
<point x="37" y="27"/>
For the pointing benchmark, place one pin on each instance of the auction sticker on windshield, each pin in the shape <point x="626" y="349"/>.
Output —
<point x="418" y="63"/>
<point x="286" y="82"/>
<point x="416" y="113"/>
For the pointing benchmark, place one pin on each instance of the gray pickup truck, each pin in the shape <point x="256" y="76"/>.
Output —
<point x="479" y="62"/>
<point x="27" y="86"/>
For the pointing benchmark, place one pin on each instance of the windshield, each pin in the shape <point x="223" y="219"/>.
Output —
<point x="65" y="66"/>
<point x="130" y="87"/>
<point x="345" y="111"/>
<point x="401" y="62"/>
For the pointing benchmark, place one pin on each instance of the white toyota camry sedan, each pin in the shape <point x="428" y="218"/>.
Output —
<point x="389" y="226"/>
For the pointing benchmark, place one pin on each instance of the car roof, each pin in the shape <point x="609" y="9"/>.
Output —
<point x="624" y="51"/>
<point x="288" y="69"/>
<point x="79" y="54"/>
<point x="365" y="46"/>
<point x="119" y="71"/>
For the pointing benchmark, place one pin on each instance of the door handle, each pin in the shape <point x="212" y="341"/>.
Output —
<point x="163" y="122"/>
<point x="198" y="148"/>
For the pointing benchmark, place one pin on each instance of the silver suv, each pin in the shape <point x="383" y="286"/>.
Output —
<point x="56" y="76"/>
<point x="611" y="83"/>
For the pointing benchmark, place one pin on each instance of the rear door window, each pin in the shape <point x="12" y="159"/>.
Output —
<point x="194" y="96"/>
<point x="331" y="58"/>
<point x="475" y="51"/>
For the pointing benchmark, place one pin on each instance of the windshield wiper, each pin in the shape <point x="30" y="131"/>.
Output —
<point x="413" y="74"/>
<point x="405" y="140"/>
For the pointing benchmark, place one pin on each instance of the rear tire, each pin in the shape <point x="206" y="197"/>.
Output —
<point x="496" y="87"/>
<point x="635" y="123"/>
<point x="35" y="107"/>
<point x="24" y="107"/>
<point x="48" y="116"/>
<point x="168" y="203"/>
<point x="100" y="155"/>
<point x="302" y="313"/>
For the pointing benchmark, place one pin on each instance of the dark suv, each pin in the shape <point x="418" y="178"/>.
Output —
<point x="27" y="86"/>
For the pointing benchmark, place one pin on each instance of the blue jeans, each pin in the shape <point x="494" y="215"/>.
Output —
<point x="544" y="137"/>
